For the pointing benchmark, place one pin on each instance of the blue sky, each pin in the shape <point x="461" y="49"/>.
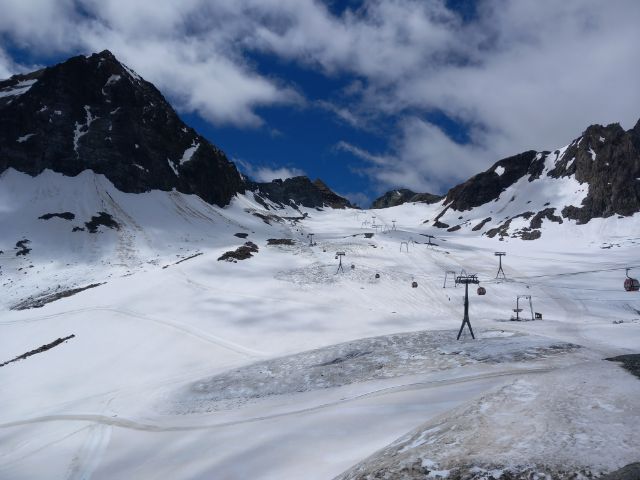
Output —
<point x="368" y="95"/>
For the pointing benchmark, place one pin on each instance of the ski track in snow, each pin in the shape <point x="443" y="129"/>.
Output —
<point x="150" y="427"/>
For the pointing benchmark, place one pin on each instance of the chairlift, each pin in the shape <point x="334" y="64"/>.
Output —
<point x="482" y="291"/>
<point x="631" y="284"/>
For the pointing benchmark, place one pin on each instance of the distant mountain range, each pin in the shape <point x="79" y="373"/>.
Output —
<point x="596" y="175"/>
<point x="96" y="113"/>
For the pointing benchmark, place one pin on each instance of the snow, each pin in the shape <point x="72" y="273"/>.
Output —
<point x="112" y="79"/>
<point x="188" y="153"/>
<point x="173" y="167"/>
<point x="592" y="153"/>
<point x="499" y="170"/>
<point x="133" y="74"/>
<point x="18" y="89"/>
<point x="276" y="367"/>
<point x="601" y="139"/>
<point x="24" y="138"/>
<point x="82" y="129"/>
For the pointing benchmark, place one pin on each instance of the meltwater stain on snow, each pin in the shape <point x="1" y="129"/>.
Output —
<point x="359" y="361"/>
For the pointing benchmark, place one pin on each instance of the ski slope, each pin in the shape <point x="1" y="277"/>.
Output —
<point x="276" y="367"/>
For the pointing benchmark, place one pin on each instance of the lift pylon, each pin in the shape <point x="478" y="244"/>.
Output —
<point x="500" y="270"/>
<point x="466" y="280"/>
<point x="339" y="256"/>
<point x="446" y="275"/>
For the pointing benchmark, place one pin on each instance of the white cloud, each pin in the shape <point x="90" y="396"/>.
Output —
<point x="422" y="158"/>
<point x="265" y="173"/>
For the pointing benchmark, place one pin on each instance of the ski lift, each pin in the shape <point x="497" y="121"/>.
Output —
<point x="377" y="275"/>
<point x="631" y="284"/>
<point x="414" y="284"/>
<point x="482" y="291"/>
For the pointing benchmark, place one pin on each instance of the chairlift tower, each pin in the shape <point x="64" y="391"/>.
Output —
<point x="500" y="270"/>
<point x="429" y="244"/>
<point x="339" y="256"/>
<point x="394" y="225"/>
<point x="446" y="275"/>
<point x="466" y="280"/>
<point x="310" y="236"/>
<point x="406" y="245"/>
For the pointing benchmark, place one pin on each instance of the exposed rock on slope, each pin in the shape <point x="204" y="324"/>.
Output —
<point x="403" y="195"/>
<point x="95" y="113"/>
<point x="300" y="191"/>
<point x="608" y="159"/>
<point x="596" y="176"/>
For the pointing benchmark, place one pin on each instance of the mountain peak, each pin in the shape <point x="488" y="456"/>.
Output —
<point x="301" y="191"/>
<point x="396" y="197"/>
<point x="95" y="113"/>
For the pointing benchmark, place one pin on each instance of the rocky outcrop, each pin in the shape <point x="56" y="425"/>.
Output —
<point x="403" y="195"/>
<point x="299" y="191"/>
<point x="488" y="185"/>
<point x="608" y="159"/>
<point x="95" y="113"/>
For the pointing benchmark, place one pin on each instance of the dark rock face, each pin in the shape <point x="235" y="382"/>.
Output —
<point x="629" y="472"/>
<point x="608" y="159"/>
<point x="300" y="191"/>
<point x="280" y="241"/>
<point x="481" y="224"/>
<point x="488" y="185"/>
<point x="21" y="247"/>
<point x="630" y="362"/>
<point x="104" y="219"/>
<point x="94" y="113"/>
<point x="403" y="195"/>
<point x="243" y="252"/>
<point x="547" y="213"/>
<point x="63" y="215"/>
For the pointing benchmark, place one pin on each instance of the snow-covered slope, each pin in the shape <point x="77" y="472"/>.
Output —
<point x="597" y="175"/>
<point x="183" y="366"/>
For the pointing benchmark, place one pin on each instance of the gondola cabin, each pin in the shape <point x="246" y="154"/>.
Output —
<point x="482" y="291"/>
<point x="631" y="284"/>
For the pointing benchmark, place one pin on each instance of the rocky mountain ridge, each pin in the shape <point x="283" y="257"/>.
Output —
<point x="597" y="175"/>
<point x="93" y="112"/>
<point x="393" y="198"/>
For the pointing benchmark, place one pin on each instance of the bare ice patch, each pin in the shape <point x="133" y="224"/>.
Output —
<point x="359" y="361"/>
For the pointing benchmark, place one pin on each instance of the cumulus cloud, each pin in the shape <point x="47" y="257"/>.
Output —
<point x="518" y="75"/>
<point x="262" y="173"/>
<point x="189" y="49"/>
